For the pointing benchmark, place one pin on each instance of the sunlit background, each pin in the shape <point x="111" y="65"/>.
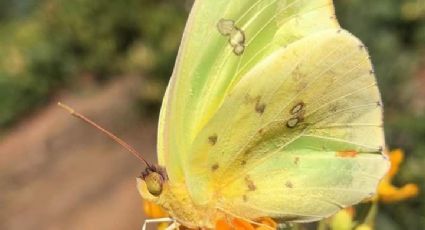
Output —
<point x="111" y="60"/>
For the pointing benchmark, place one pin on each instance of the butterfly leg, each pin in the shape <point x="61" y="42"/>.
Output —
<point x="157" y="220"/>
<point x="174" y="226"/>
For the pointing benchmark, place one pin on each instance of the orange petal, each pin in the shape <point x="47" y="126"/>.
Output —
<point x="267" y="221"/>
<point x="153" y="210"/>
<point x="391" y="194"/>
<point x="235" y="224"/>
<point x="396" y="157"/>
<point x="222" y="224"/>
<point x="242" y="225"/>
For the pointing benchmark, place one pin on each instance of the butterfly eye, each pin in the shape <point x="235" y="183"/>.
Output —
<point x="154" y="183"/>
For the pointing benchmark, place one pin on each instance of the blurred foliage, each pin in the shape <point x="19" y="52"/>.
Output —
<point x="49" y="44"/>
<point x="46" y="45"/>
<point x="394" y="31"/>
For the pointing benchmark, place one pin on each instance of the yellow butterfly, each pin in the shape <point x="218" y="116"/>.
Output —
<point x="272" y="111"/>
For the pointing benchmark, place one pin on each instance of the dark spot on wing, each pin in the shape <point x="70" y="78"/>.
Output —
<point x="296" y="160"/>
<point x="236" y="36"/>
<point x="213" y="139"/>
<point x="289" y="184"/>
<point x="250" y="184"/>
<point x="244" y="198"/>
<point x="238" y="49"/>
<point x="226" y="26"/>
<point x="333" y="108"/>
<point x="260" y="107"/>
<point x="214" y="167"/>
<point x="292" y="122"/>
<point x="298" y="112"/>
<point x="297" y="108"/>
<point x="243" y="162"/>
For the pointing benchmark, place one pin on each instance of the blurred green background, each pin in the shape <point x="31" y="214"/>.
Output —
<point x="54" y="47"/>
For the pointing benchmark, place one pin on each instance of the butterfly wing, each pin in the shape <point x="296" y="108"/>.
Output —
<point x="299" y="137"/>
<point x="223" y="40"/>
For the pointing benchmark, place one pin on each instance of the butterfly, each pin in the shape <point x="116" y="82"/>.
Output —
<point x="272" y="110"/>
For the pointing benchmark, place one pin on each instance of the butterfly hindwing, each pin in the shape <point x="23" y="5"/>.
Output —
<point x="298" y="137"/>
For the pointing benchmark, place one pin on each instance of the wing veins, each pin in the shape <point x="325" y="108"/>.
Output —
<point x="371" y="149"/>
<point x="349" y="125"/>
<point x="344" y="110"/>
<point x="281" y="11"/>
<point x="293" y="98"/>
<point x="268" y="44"/>
<point x="339" y="98"/>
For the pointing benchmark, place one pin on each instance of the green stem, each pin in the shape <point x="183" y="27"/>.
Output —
<point x="322" y="225"/>
<point x="371" y="215"/>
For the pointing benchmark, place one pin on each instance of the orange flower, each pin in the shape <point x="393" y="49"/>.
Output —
<point x="239" y="224"/>
<point x="387" y="192"/>
<point x="153" y="210"/>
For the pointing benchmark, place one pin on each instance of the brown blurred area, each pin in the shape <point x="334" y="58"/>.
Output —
<point x="59" y="173"/>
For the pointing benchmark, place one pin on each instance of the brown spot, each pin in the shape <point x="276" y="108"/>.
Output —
<point x="212" y="139"/>
<point x="214" y="167"/>
<point x="348" y="153"/>
<point x="238" y="49"/>
<point x="260" y="131"/>
<point x="378" y="103"/>
<point x="225" y="26"/>
<point x="339" y="31"/>
<point x="244" y="198"/>
<point x="361" y="47"/>
<point x="247" y="98"/>
<point x="333" y="108"/>
<point x="260" y="107"/>
<point x="292" y="122"/>
<point x="300" y="116"/>
<point x="296" y="160"/>
<point x="289" y="184"/>
<point x="297" y="108"/>
<point x="250" y="184"/>
<point x="243" y="162"/>
<point x="236" y="36"/>
<point x="371" y="71"/>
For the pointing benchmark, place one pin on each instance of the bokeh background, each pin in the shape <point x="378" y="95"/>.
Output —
<point x="112" y="60"/>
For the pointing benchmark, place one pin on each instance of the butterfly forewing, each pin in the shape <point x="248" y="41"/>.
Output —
<point x="223" y="40"/>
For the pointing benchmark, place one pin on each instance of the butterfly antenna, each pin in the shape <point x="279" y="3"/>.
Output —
<point x="106" y="132"/>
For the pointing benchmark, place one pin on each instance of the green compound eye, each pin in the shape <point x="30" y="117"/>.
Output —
<point x="154" y="183"/>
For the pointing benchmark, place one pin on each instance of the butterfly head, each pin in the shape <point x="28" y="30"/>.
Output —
<point x="151" y="181"/>
<point x="173" y="198"/>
